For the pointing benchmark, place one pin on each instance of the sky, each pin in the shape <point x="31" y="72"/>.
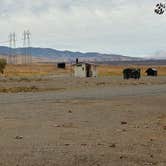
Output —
<point x="127" y="27"/>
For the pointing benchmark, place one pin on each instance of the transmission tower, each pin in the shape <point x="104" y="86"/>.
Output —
<point x="27" y="58"/>
<point x="29" y="49"/>
<point x="10" y="49"/>
<point x="12" y="58"/>
<point x="24" y="48"/>
<point x="14" y="49"/>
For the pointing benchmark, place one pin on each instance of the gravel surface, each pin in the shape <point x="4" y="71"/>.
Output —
<point x="103" y="124"/>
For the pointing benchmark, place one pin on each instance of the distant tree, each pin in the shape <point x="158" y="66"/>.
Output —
<point x="160" y="8"/>
<point x="2" y="65"/>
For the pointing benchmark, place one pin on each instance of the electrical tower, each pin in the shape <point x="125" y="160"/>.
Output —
<point x="27" y="58"/>
<point x="12" y="58"/>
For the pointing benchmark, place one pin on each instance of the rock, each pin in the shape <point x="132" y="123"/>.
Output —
<point x="137" y="127"/>
<point x="118" y="130"/>
<point x="112" y="146"/>
<point x="123" y="123"/>
<point x="70" y="111"/>
<point x="83" y="144"/>
<point x="151" y="156"/>
<point x="124" y="130"/>
<point x="19" y="137"/>
<point x="67" y="144"/>
<point x="56" y="125"/>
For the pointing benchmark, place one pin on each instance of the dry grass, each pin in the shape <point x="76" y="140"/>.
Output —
<point x="108" y="70"/>
<point x="27" y="89"/>
<point x="34" y="69"/>
<point x="44" y="69"/>
<point x="18" y="89"/>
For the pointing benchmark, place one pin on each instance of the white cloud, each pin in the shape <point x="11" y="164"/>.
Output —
<point x="125" y="26"/>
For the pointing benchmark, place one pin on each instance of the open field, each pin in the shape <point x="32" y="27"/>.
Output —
<point x="46" y="77"/>
<point x="108" y="70"/>
<point x="67" y="121"/>
<point x="44" y="69"/>
<point x="34" y="70"/>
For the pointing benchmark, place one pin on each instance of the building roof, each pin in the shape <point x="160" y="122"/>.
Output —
<point x="86" y="63"/>
<point x="151" y="69"/>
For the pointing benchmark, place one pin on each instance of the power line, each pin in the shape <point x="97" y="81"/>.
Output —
<point x="12" y="57"/>
<point x="2" y="42"/>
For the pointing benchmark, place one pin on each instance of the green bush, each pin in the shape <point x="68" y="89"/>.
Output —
<point x="2" y="65"/>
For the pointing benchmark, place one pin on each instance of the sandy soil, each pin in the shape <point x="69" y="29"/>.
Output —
<point x="61" y="82"/>
<point x="87" y="122"/>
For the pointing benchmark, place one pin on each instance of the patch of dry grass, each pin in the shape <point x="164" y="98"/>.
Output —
<point x="18" y="89"/>
<point x="108" y="70"/>
<point x="27" y="89"/>
<point x="45" y="69"/>
<point x="34" y="69"/>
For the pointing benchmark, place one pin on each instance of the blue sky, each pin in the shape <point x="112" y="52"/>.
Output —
<point x="127" y="27"/>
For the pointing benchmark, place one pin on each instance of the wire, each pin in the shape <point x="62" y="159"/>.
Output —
<point x="5" y="42"/>
<point x="1" y="42"/>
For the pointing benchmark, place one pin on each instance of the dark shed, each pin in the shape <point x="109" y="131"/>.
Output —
<point x="151" y="72"/>
<point x="61" y="65"/>
<point x="131" y="73"/>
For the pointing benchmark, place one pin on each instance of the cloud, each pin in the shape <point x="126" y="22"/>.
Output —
<point x="125" y="26"/>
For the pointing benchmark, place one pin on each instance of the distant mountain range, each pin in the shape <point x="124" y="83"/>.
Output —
<point x="48" y="54"/>
<point x="159" y="55"/>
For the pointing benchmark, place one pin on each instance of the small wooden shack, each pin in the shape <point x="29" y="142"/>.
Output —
<point x="61" y="65"/>
<point x="151" y="72"/>
<point x="82" y="69"/>
<point x="132" y="73"/>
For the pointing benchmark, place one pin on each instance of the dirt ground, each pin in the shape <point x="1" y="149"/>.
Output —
<point x="65" y="121"/>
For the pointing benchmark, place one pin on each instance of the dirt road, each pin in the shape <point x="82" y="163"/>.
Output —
<point x="95" y="126"/>
<point x="104" y="93"/>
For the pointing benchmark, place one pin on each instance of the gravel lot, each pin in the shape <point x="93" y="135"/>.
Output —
<point x="84" y="122"/>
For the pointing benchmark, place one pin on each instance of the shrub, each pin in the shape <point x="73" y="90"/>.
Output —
<point x="2" y="65"/>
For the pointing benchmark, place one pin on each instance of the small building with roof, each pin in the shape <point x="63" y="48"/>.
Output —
<point x="151" y="72"/>
<point x="61" y="65"/>
<point x="132" y="73"/>
<point x="83" y="69"/>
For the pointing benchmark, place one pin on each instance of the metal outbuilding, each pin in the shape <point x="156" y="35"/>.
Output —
<point x="132" y="73"/>
<point x="61" y="65"/>
<point x="83" y="69"/>
<point x="151" y="72"/>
